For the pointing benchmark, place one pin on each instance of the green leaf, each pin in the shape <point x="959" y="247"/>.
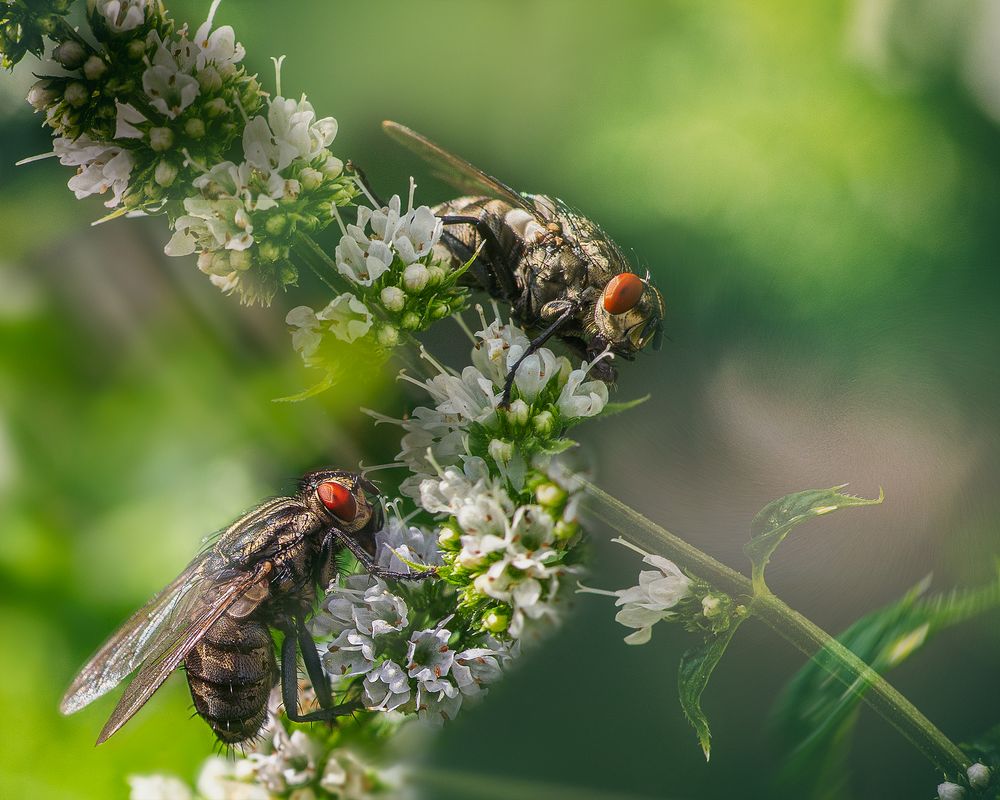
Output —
<point x="695" y="669"/>
<point x="559" y="446"/>
<point x="774" y="522"/>
<point x="610" y="409"/>
<point x="817" y="711"/>
<point x="312" y="391"/>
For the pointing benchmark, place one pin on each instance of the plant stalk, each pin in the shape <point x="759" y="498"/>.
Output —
<point x="798" y="630"/>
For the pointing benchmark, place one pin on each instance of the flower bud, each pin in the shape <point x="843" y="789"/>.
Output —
<point x="950" y="791"/>
<point x="76" y="94"/>
<point x="564" y="530"/>
<point x="440" y="310"/>
<point x="269" y="251"/>
<point x="410" y="321"/>
<point x="194" y="128"/>
<point x="161" y="139"/>
<point x="276" y="224"/>
<point x="94" y="67"/>
<point x="71" y="54"/>
<point x="979" y="776"/>
<point x="42" y="94"/>
<point x="388" y="336"/>
<point x="209" y="79"/>
<point x="501" y="451"/>
<point x="311" y="178"/>
<point x="216" y="107"/>
<point x="332" y="167"/>
<point x="205" y="261"/>
<point x="496" y="622"/>
<point x="165" y="173"/>
<point x="392" y="298"/>
<point x="550" y="494"/>
<point x="136" y="49"/>
<point x="710" y="606"/>
<point x="543" y="423"/>
<point x="240" y="259"/>
<point x="449" y="538"/>
<point x="415" y="277"/>
<point x="435" y="275"/>
<point x="519" y="412"/>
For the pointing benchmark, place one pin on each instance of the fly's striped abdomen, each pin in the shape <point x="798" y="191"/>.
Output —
<point x="231" y="672"/>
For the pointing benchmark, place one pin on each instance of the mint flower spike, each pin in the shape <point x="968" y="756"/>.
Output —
<point x="147" y="109"/>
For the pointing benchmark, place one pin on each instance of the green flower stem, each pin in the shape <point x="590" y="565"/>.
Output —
<point x="808" y="637"/>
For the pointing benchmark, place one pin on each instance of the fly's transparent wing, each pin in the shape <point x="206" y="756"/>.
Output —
<point x="210" y="600"/>
<point x="454" y="170"/>
<point x="133" y="642"/>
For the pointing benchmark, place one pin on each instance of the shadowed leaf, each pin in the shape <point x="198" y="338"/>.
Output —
<point x="695" y="669"/>
<point x="817" y="711"/>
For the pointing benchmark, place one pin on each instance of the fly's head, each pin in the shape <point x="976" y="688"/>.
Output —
<point x="345" y="499"/>
<point x="628" y="315"/>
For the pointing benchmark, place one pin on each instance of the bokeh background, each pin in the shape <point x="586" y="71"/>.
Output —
<point x="814" y="187"/>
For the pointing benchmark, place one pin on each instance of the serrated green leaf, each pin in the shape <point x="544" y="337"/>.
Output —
<point x="774" y="522"/>
<point x="693" y="673"/>
<point x="817" y="711"/>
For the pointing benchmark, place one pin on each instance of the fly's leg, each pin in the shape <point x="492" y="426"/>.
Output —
<point x="501" y="277"/>
<point x="532" y="347"/>
<point x="290" y="686"/>
<point x="365" y="559"/>
<point x="314" y="668"/>
<point x="362" y="178"/>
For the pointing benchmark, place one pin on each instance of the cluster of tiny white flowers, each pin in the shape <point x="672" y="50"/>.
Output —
<point x="288" y="181"/>
<point x="397" y="643"/>
<point x="507" y="510"/>
<point x="144" y="105"/>
<point x="279" y="764"/>
<point x="466" y="421"/>
<point x="399" y="281"/>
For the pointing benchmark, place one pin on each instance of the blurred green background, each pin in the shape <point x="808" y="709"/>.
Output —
<point x="815" y="189"/>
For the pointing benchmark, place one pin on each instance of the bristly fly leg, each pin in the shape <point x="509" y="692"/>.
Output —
<point x="290" y="685"/>
<point x="504" y="279"/>
<point x="532" y="347"/>
<point x="371" y="567"/>
<point x="314" y="668"/>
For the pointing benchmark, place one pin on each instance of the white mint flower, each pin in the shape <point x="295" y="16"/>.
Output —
<point x="348" y="655"/>
<point x="475" y="668"/>
<point x="306" y="337"/>
<point x="349" y="318"/>
<point x="387" y="687"/>
<point x="382" y="612"/>
<point x="428" y="656"/>
<point x="438" y="701"/>
<point x="166" y="81"/>
<point x="397" y="541"/>
<point x="157" y="787"/>
<point x="101" y="167"/>
<point x="580" y="397"/>
<point x="217" y="47"/>
<point x="122" y="15"/>
<point x="218" y="781"/>
<point x="363" y="266"/>
<point x="657" y="592"/>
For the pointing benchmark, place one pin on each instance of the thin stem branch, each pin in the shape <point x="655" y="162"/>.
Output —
<point x="799" y="631"/>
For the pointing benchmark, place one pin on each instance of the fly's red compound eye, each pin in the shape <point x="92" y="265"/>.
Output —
<point x="622" y="293"/>
<point x="338" y="499"/>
